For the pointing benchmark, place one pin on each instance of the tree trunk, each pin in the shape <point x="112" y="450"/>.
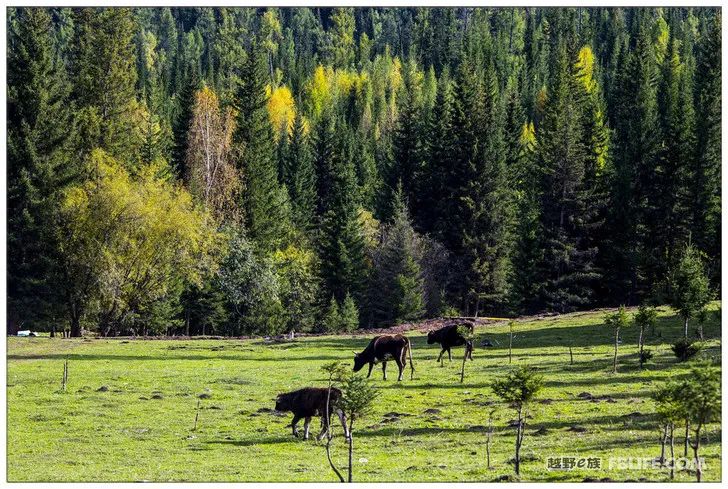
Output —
<point x="75" y="327"/>
<point x="686" y="328"/>
<point x="672" y="451"/>
<point x="351" y="448"/>
<point x="462" y="369"/>
<point x="510" y="343"/>
<point x="616" y="346"/>
<point x="663" y="441"/>
<point x="696" y="454"/>
<point x="687" y="438"/>
<point x="519" y="430"/>
<point x="641" y="344"/>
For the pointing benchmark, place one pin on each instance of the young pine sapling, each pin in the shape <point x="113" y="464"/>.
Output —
<point x="617" y="321"/>
<point x="518" y="389"/>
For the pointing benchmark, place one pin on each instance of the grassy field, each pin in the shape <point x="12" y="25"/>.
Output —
<point x="129" y="409"/>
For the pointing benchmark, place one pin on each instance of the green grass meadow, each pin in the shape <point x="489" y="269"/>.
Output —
<point x="129" y="408"/>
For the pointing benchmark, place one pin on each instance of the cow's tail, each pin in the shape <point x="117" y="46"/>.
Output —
<point x="409" y="354"/>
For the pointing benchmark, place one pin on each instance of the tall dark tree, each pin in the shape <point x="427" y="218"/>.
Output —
<point x="105" y="76"/>
<point x="637" y="144"/>
<point x="706" y="184"/>
<point x="40" y="165"/>
<point x="567" y="263"/>
<point x="267" y="210"/>
<point x="300" y="176"/>
<point x="341" y="240"/>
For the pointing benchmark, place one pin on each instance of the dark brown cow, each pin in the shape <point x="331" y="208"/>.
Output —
<point x="449" y="336"/>
<point x="308" y="402"/>
<point x="383" y="348"/>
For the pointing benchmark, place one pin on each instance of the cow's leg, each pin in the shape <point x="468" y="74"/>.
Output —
<point x="470" y="350"/>
<point x="449" y="354"/>
<point x="371" y="366"/>
<point x="324" y="426"/>
<point x="296" y="418"/>
<point x="342" y="418"/>
<point x="439" y="359"/>
<point x="306" y="423"/>
<point x="401" y="368"/>
<point x="384" y="369"/>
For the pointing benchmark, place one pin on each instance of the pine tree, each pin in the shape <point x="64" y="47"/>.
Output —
<point x="637" y="143"/>
<point x="324" y="156"/>
<point x="105" y="76"/>
<point x="478" y="200"/>
<point x="349" y="314"/>
<point x="520" y="140"/>
<point x="440" y="150"/>
<point x="406" y="167"/>
<point x="299" y="175"/>
<point x="332" y="318"/>
<point x="396" y="286"/>
<point x="670" y="213"/>
<point x="183" y="117"/>
<point x="706" y="189"/>
<point x="341" y="240"/>
<point x="566" y="266"/>
<point x="267" y="210"/>
<point x="40" y="128"/>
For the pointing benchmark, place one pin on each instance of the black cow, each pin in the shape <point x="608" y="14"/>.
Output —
<point x="309" y="402"/>
<point x="384" y="348"/>
<point x="449" y="336"/>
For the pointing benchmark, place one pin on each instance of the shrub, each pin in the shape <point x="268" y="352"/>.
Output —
<point x="685" y="349"/>
<point x="645" y="356"/>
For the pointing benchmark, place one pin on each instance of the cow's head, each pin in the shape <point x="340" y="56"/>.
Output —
<point x="358" y="362"/>
<point x="282" y="403"/>
<point x="431" y="338"/>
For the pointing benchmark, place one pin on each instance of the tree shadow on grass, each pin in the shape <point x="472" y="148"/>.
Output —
<point x="106" y="356"/>
<point x="363" y="433"/>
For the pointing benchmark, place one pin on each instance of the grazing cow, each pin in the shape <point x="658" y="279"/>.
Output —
<point x="308" y="402"/>
<point x="449" y="336"/>
<point x="383" y="348"/>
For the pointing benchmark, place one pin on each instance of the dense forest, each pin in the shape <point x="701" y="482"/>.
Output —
<point x="259" y="170"/>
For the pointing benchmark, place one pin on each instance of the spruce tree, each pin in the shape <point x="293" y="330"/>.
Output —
<point x="299" y="176"/>
<point x="637" y="144"/>
<point x="566" y="267"/>
<point x="39" y="130"/>
<point x="105" y="75"/>
<point x="478" y="200"/>
<point x="672" y="176"/>
<point x="267" y="210"/>
<point x="183" y="117"/>
<point x="405" y="169"/>
<point x="396" y="286"/>
<point x="341" y="239"/>
<point x="440" y="148"/>
<point x="706" y="189"/>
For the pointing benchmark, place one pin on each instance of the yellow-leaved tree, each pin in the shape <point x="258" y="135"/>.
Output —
<point x="281" y="109"/>
<point x="129" y="243"/>
<point x="209" y="171"/>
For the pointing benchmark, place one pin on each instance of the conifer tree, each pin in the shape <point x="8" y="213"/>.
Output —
<point x="637" y="143"/>
<point x="396" y="288"/>
<point x="566" y="266"/>
<point x="478" y="201"/>
<point x="440" y="148"/>
<point x="105" y="76"/>
<point x="39" y="129"/>
<point x="265" y="202"/>
<point x="706" y="190"/>
<point x="341" y="240"/>
<point x="299" y="175"/>
<point x="673" y="173"/>
<point x="182" y="120"/>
